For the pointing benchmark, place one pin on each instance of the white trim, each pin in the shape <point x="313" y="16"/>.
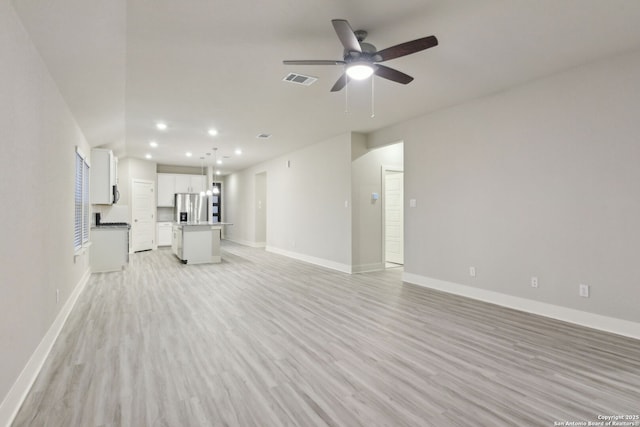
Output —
<point x="247" y="243"/>
<point x="81" y="154"/>
<point x="383" y="214"/>
<point x="18" y="392"/>
<point x="583" y="318"/>
<point x="154" y="214"/>
<point x="344" y="268"/>
<point x="366" y="268"/>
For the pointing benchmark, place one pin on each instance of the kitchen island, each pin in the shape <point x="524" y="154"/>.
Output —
<point x="197" y="242"/>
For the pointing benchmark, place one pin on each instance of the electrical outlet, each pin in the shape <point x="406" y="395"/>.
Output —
<point x="584" y="290"/>
<point x="472" y="271"/>
<point x="534" y="282"/>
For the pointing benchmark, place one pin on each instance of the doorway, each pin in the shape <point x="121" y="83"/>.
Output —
<point x="261" y="209"/>
<point x="142" y="209"/>
<point x="393" y="217"/>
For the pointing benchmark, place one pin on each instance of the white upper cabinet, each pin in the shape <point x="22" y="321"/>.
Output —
<point x="104" y="173"/>
<point x="171" y="183"/>
<point x="183" y="183"/>
<point x="166" y="189"/>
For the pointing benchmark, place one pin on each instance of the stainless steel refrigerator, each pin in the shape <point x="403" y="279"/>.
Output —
<point x="191" y="207"/>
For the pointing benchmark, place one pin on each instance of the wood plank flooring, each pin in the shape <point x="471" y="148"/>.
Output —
<point x="263" y="340"/>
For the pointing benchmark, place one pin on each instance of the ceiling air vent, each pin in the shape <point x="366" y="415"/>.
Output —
<point x="264" y="136"/>
<point x="299" y="79"/>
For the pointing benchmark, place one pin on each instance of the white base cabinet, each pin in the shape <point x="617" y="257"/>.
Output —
<point x="164" y="233"/>
<point x="109" y="249"/>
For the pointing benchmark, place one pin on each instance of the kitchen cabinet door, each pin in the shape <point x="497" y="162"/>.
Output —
<point x="103" y="176"/>
<point x="183" y="183"/>
<point x="166" y="189"/>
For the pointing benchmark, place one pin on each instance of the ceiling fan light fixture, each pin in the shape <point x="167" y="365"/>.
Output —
<point x="359" y="70"/>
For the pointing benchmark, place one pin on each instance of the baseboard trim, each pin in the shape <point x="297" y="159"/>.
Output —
<point x="582" y="318"/>
<point x="248" y="243"/>
<point x="344" y="268"/>
<point x="18" y="392"/>
<point x="367" y="268"/>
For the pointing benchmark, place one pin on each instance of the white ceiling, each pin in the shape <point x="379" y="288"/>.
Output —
<point x="123" y="65"/>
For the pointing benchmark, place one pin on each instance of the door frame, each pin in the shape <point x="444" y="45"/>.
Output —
<point x="261" y="244"/>
<point x="154" y="244"/>
<point x="383" y="172"/>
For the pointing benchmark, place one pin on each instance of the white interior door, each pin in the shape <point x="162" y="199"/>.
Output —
<point x="394" y="217"/>
<point x="143" y="226"/>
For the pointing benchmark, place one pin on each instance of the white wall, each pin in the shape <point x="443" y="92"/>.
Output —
<point x="306" y="213"/>
<point x="542" y="180"/>
<point x="367" y="244"/>
<point x="39" y="136"/>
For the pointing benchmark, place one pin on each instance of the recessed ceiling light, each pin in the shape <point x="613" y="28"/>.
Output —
<point x="238" y="151"/>
<point x="148" y="156"/>
<point x="188" y="154"/>
<point x="213" y="132"/>
<point x="219" y="161"/>
<point x="161" y="126"/>
<point x="217" y="172"/>
<point x="153" y="144"/>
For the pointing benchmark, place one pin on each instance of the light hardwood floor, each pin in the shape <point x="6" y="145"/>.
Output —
<point x="263" y="340"/>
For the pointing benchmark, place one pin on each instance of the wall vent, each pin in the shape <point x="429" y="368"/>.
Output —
<point x="299" y="79"/>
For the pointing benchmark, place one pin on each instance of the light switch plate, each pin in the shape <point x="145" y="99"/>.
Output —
<point x="412" y="203"/>
<point x="584" y="290"/>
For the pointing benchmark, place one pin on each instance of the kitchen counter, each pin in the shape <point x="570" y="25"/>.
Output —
<point x="200" y="224"/>
<point x="197" y="242"/>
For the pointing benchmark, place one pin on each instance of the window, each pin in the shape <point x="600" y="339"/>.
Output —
<point x="81" y="224"/>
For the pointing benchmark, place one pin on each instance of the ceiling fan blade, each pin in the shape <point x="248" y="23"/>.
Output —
<point x="346" y="35"/>
<point x="342" y="82"/>
<point x="407" y="48"/>
<point x="314" y="62"/>
<point x="393" y="75"/>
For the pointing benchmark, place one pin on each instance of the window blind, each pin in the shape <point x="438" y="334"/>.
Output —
<point x="85" y="201"/>
<point x="77" y="226"/>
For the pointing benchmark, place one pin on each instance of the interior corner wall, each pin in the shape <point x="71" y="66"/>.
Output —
<point x="306" y="195"/>
<point x="130" y="168"/>
<point x="39" y="137"/>
<point x="541" y="180"/>
<point x="367" y="213"/>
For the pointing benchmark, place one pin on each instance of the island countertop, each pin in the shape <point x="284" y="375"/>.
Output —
<point x="200" y="224"/>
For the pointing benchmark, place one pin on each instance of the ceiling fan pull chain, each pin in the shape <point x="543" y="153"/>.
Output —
<point x="373" y="112"/>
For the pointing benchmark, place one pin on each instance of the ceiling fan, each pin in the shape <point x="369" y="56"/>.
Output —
<point x="361" y="59"/>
